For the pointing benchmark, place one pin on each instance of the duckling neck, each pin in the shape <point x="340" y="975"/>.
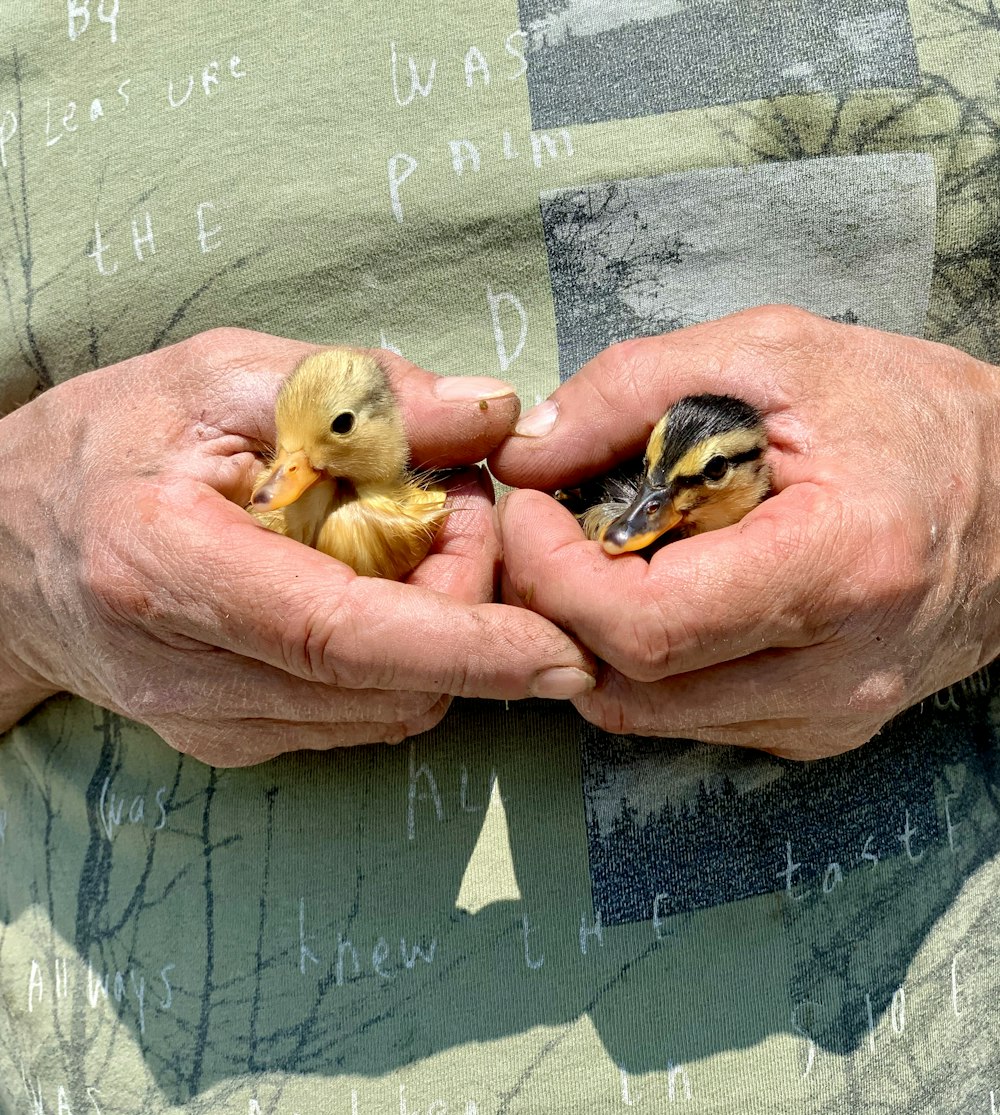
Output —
<point x="305" y="517"/>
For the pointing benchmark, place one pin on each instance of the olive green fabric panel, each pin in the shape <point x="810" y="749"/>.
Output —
<point x="446" y="926"/>
<point x="189" y="939"/>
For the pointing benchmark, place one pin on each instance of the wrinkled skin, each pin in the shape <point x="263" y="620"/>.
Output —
<point x="131" y="575"/>
<point x="868" y="581"/>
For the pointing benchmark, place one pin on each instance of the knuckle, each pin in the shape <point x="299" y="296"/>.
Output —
<point x="779" y="324"/>
<point x="318" y="655"/>
<point x="425" y="721"/>
<point x="117" y="591"/>
<point x="324" y="645"/>
<point x="638" y="648"/>
<point x="881" y="695"/>
<point x="620" y="377"/>
<point x="207" y="346"/>
<point x="149" y="699"/>
<point x="606" y="709"/>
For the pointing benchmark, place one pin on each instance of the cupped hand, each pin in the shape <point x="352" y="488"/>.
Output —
<point x="870" y="579"/>
<point x="130" y="573"/>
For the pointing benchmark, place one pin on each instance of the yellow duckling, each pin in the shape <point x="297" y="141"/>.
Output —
<point x="339" y="480"/>
<point x="704" y="469"/>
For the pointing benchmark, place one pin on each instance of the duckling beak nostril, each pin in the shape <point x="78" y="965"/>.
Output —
<point x="649" y="517"/>
<point x="289" y="477"/>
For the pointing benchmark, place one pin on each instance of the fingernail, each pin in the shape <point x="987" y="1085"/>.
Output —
<point x="537" y="421"/>
<point x="560" y="683"/>
<point x="458" y="389"/>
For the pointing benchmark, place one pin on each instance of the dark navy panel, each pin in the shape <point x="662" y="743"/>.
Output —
<point x="675" y="826"/>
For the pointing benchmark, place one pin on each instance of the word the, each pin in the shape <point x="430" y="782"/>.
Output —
<point x="143" y="239"/>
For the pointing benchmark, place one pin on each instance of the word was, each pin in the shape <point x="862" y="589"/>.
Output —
<point x="111" y="810"/>
<point x="62" y="1099"/>
<point x="416" y="77"/>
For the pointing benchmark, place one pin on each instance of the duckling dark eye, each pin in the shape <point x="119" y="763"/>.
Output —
<point x="716" y="468"/>
<point x="343" y="423"/>
<point x="653" y="507"/>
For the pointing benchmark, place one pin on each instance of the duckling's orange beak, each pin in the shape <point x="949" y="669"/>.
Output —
<point x="291" y="474"/>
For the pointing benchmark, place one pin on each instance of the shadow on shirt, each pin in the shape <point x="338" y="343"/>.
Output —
<point x="347" y="916"/>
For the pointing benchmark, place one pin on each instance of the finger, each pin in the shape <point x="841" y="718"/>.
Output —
<point x="218" y="577"/>
<point x="802" y="687"/>
<point x="802" y="740"/>
<point x="795" y="738"/>
<point x="246" y="742"/>
<point x="606" y="411"/>
<point x="465" y="556"/>
<point x="212" y="684"/>
<point x="719" y="596"/>
<point x="450" y="420"/>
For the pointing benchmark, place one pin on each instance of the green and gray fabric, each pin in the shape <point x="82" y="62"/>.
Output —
<point x="515" y="913"/>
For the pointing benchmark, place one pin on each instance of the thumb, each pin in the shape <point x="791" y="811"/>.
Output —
<point x="450" y="420"/>
<point x="605" y="413"/>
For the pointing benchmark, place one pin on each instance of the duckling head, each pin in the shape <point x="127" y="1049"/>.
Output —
<point x="335" y="417"/>
<point x="704" y="469"/>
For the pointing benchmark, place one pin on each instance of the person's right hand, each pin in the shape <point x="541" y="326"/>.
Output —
<point x="131" y="575"/>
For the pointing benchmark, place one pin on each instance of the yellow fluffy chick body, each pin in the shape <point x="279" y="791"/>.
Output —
<point x="339" y="480"/>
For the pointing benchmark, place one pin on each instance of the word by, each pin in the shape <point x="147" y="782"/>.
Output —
<point x="78" y="12"/>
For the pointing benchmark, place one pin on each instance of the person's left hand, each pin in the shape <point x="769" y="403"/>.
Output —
<point x="869" y="580"/>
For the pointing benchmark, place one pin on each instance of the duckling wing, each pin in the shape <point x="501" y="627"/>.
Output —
<point x="386" y="531"/>
<point x="600" y="501"/>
